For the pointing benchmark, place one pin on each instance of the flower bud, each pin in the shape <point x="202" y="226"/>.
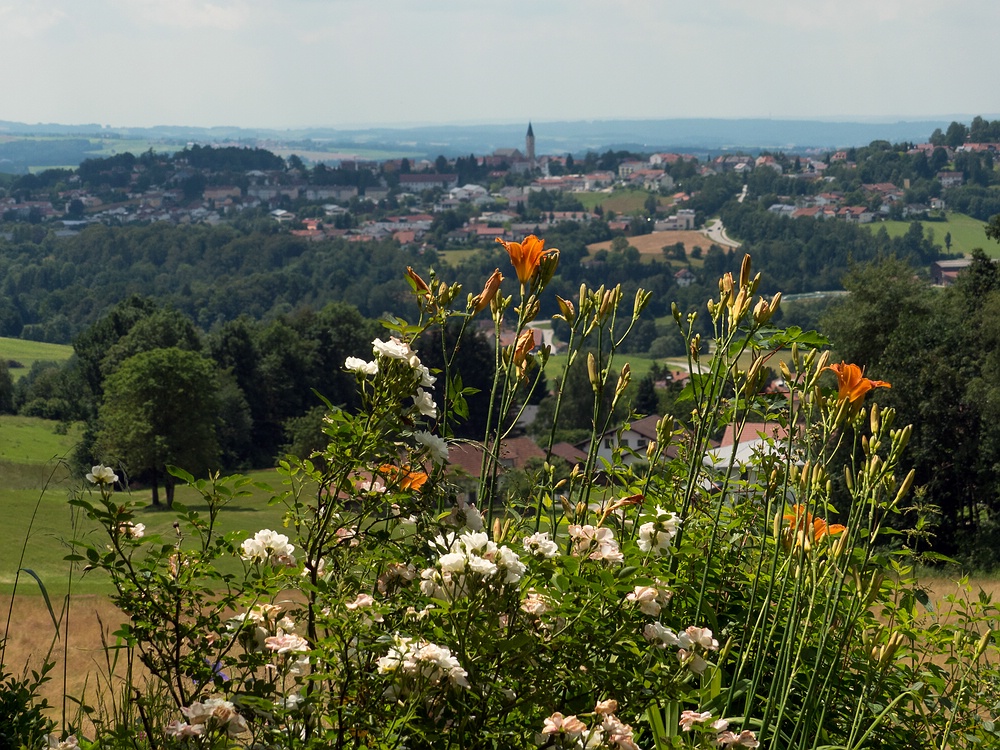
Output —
<point x="484" y="298"/>
<point x="418" y="284"/>
<point x="676" y="312"/>
<point x="547" y="267"/>
<point x="567" y="309"/>
<point x="745" y="271"/>
<point x="623" y="379"/>
<point x="642" y="298"/>
<point x="595" y="382"/>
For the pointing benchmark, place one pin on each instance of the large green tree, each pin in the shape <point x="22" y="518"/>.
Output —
<point x="160" y="408"/>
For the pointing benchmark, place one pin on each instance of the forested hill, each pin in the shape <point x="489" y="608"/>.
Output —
<point x="55" y="287"/>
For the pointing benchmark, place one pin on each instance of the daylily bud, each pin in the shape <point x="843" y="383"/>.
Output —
<point x="418" y="283"/>
<point x="567" y="309"/>
<point x="547" y="267"/>
<point x="676" y="312"/>
<point x="595" y="382"/>
<point x="484" y="298"/>
<point x="641" y="300"/>
<point x="785" y="372"/>
<point x="650" y="450"/>
<point x="696" y="347"/>
<point x="761" y="312"/>
<point x="530" y="309"/>
<point x="712" y="309"/>
<point x="745" y="271"/>
<point x="904" y="488"/>
<point x="754" y="284"/>
<point x="623" y="379"/>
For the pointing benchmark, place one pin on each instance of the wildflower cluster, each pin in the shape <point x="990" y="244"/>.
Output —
<point x="607" y="730"/>
<point x="417" y="664"/>
<point x="213" y="714"/>
<point x="269" y="548"/>
<point x="468" y="562"/>
<point x="690" y="644"/>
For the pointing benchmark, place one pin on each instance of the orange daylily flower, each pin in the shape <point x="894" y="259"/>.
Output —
<point x="526" y="256"/>
<point x="853" y="385"/>
<point x="481" y="300"/>
<point x="408" y="480"/>
<point x="805" y="529"/>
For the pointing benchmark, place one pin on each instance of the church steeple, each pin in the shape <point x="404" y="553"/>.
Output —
<point x="529" y="146"/>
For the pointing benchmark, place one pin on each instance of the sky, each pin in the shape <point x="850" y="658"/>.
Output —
<point x="349" y="63"/>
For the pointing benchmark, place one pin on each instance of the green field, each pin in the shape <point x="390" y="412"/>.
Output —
<point x="966" y="233"/>
<point x="619" y="201"/>
<point x="29" y="352"/>
<point x="37" y="481"/>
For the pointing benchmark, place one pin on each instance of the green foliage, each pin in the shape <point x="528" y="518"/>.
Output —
<point x="160" y="408"/>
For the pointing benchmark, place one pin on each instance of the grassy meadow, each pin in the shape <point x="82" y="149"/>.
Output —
<point x="966" y="233"/>
<point x="620" y="201"/>
<point x="29" y="352"/>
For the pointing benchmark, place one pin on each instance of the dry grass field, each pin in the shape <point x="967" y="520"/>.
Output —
<point x="80" y="656"/>
<point x="653" y="244"/>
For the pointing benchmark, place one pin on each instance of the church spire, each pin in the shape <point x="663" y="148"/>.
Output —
<point x="529" y="146"/>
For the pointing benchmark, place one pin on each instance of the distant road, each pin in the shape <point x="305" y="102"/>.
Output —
<point x="717" y="233"/>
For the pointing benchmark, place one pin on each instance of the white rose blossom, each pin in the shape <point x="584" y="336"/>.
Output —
<point x="437" y="447"/>
<point x="102" y="474"/>
<point x="131" y="530"/>
<point x="215" y="713"/>
<point x="540" y="545"/>
<point x="413" y="661"/>
<point x="657" y="535"/>
<point x="358" y="365"/>
<point x="268" y="547"/>
<point x="425" y="404"/>
<point x="392" y="349"/>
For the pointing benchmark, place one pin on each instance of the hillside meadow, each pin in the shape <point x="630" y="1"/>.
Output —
<point x="967" y="233"/>
<point x="26" y="353"/>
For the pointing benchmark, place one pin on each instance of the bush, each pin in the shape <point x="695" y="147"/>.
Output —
<point x="686" y="595"/>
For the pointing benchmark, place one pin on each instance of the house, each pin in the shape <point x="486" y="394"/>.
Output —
<point x="415" y="183"/>
<point x="950" y="179"/>
<point x="465" y="462"/>
<point x="743" y="446"/>
<point x="685" y="277"/>
<point x="944" y="272"/>
<point x="632" y="439"/>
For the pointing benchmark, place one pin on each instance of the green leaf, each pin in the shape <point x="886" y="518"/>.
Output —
<point x="45" y="595"/>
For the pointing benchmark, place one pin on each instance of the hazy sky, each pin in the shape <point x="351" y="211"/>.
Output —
<point x="293" y="63"/>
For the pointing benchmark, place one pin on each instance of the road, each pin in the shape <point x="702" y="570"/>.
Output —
<point x="717" y="233"/>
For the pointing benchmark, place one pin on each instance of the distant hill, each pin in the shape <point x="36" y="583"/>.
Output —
<point x="701" y="136"/>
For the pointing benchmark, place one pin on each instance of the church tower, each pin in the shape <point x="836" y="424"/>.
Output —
<point x="529" y="146"/>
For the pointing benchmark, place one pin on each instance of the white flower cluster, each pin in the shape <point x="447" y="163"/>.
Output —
<point x="268" y="547"/>
<point x="469" y="560"/>
<point x="596" y="543"/>
<point x="570" y="732"/>
<point x="421" y="662"/>
<point x="213" y="713"/>
<point x="657" y="535"/>
<point x="540" y="545"/>
<point x="54" y="743"/>
<point x="650" y="599"/>
<point x="725" y="738"/>
<point x="130" y="530"/>
<point x="102" y="474"/>
<point x="689" y="643"/>
<point x="260" y="623"/>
